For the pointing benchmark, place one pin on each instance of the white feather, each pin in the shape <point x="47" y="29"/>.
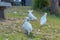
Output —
<point x="27" y="27"/>
<point x="15" y="12"/>
<point x="30" y="15"/>
<point x="43" y="19"/>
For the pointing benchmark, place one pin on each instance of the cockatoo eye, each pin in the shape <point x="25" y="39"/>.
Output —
<point x="27" y="19"/>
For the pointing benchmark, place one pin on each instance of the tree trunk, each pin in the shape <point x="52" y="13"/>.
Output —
<point x="54" y="7"/>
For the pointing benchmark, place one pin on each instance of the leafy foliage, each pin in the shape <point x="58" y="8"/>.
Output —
<point x="40" y="3"/>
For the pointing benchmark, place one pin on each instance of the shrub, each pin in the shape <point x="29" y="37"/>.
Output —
<point x="40" y="3"/>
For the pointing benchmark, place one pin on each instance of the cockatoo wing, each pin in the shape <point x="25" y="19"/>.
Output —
<point x="27" y="26"/>
<point x="32" y="16"/>
<point x="43" y="20"/>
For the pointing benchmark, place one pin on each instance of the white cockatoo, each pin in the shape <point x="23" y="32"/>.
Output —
<point x="43" y="19"/>
<point x="27" y="27"/>
<point x="31" y="16"/>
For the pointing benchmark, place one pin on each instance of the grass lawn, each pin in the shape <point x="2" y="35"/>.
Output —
<point x="12" y="27"/>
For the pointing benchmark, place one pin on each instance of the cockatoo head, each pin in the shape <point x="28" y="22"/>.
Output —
<point x="45" y="14"/>
<point x="27" y="19"/>
<point x="30" y="11"/>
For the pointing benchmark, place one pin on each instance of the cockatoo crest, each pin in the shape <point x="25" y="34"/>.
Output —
<point x="30" y="11"/>
<point x="45" y="14"/>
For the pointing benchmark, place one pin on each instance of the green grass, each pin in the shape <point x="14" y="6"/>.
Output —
<point x="13" y="26"/>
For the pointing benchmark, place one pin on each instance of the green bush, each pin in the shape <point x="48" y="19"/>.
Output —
<point x="40" y="3"/>
<point x="35" y="4"/>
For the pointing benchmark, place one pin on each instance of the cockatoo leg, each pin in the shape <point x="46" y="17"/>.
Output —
<point x="28" y="33"/>
<point x="25" y="32"/>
